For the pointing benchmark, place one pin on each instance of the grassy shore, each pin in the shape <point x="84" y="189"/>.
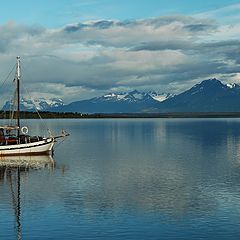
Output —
<point x="52" y="115"/>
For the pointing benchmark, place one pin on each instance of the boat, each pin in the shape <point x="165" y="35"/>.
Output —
<point x="14" y="138"/>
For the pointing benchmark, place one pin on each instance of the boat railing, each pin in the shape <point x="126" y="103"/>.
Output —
<point x="22" y="139"/>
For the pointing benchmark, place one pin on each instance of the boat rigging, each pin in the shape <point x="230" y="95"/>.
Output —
<point x="14" y="139"/>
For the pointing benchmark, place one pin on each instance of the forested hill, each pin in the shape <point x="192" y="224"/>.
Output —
<point x="52" y="115"/>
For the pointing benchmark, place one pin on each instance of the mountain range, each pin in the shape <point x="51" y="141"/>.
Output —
<point x="41" y="104"/>
<point x="208" y="96"/>
<point x="130" y="102"/>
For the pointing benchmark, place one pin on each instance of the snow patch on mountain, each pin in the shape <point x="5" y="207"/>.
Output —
<point x="116" y="96"/>
<point x="232" y="85"/>
<point x="133" y="96"/>
<point x="160" y="97"/>
<point x="41" y="104"/>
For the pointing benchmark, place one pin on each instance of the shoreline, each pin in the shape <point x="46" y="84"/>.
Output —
<point x="56" y="115"/>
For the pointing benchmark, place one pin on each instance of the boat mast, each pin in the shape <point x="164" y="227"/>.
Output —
<point x="18" y="74"/>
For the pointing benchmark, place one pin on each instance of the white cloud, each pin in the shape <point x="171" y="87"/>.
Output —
<point x="227" y="15"/>
<point x="85" y="59"/>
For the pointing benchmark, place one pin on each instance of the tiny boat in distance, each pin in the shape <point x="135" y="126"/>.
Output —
<point x="14" y="140"/>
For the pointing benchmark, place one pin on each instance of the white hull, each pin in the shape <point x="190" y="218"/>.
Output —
<point x="36" y="148"/>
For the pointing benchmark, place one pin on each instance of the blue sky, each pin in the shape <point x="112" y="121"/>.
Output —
<point x="56" y="13"/>
<point x="75" y="49"/>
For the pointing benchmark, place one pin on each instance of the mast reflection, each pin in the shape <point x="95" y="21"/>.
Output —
<point x="11" y="169"/>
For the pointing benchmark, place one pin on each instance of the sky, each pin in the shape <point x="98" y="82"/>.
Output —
<point x="73" y="49"/>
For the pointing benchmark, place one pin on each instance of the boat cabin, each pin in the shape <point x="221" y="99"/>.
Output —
<point x="9" y="136"/>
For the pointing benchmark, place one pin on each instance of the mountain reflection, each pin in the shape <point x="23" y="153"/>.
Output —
<point x="173" y="166"/>
<point x="207" y="132"/>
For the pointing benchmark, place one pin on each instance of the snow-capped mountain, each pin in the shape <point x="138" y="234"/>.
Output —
<point x="41" y="104"/>
<point x="110" y="97"/>
<point x="125" y="102"/>
<point x="208" y="96"/>
<point x="130" y="97"/>
<point x="133" y="96"/>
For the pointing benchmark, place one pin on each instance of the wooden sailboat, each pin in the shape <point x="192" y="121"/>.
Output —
<point x="14" y="140"/>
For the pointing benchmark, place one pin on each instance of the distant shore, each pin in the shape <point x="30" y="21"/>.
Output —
<point x="54" y="115"/>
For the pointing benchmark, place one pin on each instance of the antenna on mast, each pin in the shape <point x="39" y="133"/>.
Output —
<point x="18" y="67"/>
<point x="18" y="75"/>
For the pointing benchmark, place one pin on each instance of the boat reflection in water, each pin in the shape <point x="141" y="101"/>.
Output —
<point x="25" y="162"/>
<point x="11" y="169"/>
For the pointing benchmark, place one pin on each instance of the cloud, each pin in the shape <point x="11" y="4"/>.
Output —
<point x="199" y="27"/>
<point x="89" y="58"/>
<point x="164" y="45"/>
<point x="130" y="33"/>
<point x="228" y="14"/>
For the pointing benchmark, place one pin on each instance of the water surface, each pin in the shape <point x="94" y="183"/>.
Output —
<point x="129" y="179"/>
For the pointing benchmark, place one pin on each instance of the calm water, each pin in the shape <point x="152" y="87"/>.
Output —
<point x="129" y="179"/>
